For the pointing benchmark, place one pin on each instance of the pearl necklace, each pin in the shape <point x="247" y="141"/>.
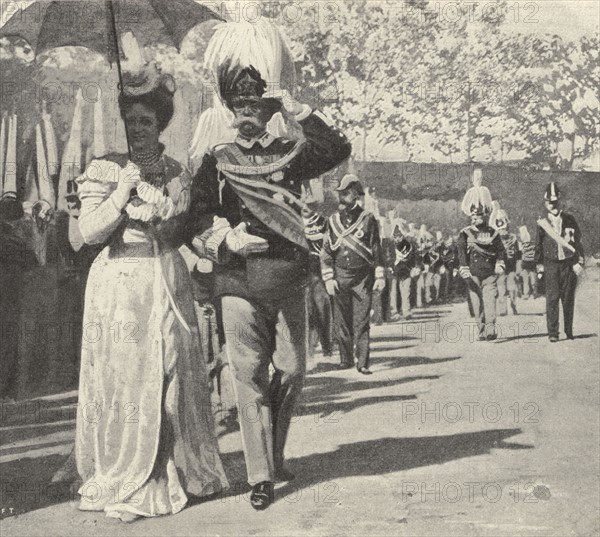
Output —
<point x="146" y="159"/>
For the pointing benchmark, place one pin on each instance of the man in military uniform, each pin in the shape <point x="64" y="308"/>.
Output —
<point x="352" y="268"/>
<point x="559" y="255"/>
<point x="507" y="281"/>
<point x="320" y="307"/>
<point x="246" y="218"/>
<point x="404" y="266"/>
<point x="481" y="258"/>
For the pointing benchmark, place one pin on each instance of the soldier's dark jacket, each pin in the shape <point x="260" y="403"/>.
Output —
<point x="511" y="246"/>
<point x="547" y="249"/>
<point x="449" y="257"/>
<point x="480" y="248"/>
<point x="403" y="263"/>
<point x="284" y="266"/>
<point x="342" y="262"/>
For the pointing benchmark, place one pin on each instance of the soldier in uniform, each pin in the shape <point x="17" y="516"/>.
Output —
<point x="481" y="257"/>
<point x="246" y="218"/>
<point x="320" y="307"/>
<point x="507" y="281"/>
<point x="448" y="259"/>
<point x="426" y="258"/>
<point x="559" y="256"/>
<point x="404" y="266"/>
<point x="527" y="259"/>
<point x="352" y="268"/>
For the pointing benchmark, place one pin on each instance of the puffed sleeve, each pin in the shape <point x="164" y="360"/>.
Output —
<point x="100" y="215"/>
<point x="175" y="203"/>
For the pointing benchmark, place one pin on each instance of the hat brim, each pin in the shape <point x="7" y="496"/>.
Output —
<point x="357" y="188"/>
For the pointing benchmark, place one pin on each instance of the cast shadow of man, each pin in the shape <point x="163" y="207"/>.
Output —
<point x="389" y="455"/>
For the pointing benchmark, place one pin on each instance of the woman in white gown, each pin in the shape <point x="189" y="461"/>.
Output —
<point x="145" y="429"/>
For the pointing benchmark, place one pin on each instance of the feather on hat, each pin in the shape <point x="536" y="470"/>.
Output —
<point x="477" y="199"/>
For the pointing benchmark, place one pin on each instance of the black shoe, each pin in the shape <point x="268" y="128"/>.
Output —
<point x="492" y="337"/>
<point x="570" y="336"/>
<point x="345" y="366"/>
<point x="365" y="371"/>
<point x="262" y="495"/>
<point x="282" y="475"/>
<point x="553" y="339"/>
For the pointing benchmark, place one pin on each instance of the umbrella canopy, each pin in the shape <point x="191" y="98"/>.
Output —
<point x="47" y="24"/>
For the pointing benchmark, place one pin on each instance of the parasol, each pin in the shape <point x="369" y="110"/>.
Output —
<point x="96" y="24"/>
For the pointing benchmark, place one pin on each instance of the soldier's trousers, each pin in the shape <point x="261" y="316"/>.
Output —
<point x="529" y="278"/>
<point x="424" y="287"/>
<point x="352" y="326"/>
<point x="257" y="335"/>
<point x="482" y="293"/>
<point x="561" y="282"/>
<point x="507" y="288"/>
<point x="404" y="284"/>
<point x="321" y="314"/>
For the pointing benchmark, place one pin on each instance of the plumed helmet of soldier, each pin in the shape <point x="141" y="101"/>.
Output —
<point x="239" y="84"/>
<point x="552" y="193"/>
<point x="498" y="218"/>
<point x="350" y="181"/>
<point x="477" y="200"/>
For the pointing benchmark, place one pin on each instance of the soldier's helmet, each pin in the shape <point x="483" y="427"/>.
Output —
<point x="239" y="83"/>
<point x="552" y="192"/>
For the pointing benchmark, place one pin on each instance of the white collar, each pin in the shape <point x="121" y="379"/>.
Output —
<point x="265" y="140"/>
<point x="553" y="217"/>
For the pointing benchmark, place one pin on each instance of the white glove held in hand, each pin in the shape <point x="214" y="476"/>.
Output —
<point x="332" y="287"/>
<point x="465" y="273"/>
<point x="239" y="241"/>
<point x="379" y="285"/>
<point x="129" y="178"/>
<point x="577" y="269"/>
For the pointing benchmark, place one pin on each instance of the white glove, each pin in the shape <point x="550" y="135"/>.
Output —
<point x="442" y="269"/>
<point x="239" y="241"/>
<point x="129" y="178"/>
<point x="539" y="268"/>
<point x="425" y="268"/>
<point x="332" y="287"/>
<point x="499" y="269"/>
<point x="454" y="272"/>
<point x="415" y="272"/>
<point x="379" y="285"/>
<point x="577" y="269"/>
<point x="465" y="273"/>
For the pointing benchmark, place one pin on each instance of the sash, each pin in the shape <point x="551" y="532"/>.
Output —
<point x="346" y="236"/>
<point x="473" y="245"/>
<point x="274" y="206"/>
<point x="547" y="227"/>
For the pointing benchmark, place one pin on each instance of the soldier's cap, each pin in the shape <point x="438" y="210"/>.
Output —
<point x="351" y="181"/>
<point x="552" y="193"/>
<point x="244" y="83"/>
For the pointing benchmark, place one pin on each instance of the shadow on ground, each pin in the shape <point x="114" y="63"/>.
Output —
<point x="390" y="455"/>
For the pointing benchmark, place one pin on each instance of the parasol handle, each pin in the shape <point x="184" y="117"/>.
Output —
<point x="113" y="30"/>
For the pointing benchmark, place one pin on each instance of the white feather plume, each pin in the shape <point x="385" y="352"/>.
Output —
<point x="475" y="196"/>
<point x="260" y="44"/>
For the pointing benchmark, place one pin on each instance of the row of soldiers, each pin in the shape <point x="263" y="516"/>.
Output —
<point x="374" y="275"/>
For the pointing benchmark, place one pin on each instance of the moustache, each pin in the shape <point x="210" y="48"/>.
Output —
<point x="239" y="121"/>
